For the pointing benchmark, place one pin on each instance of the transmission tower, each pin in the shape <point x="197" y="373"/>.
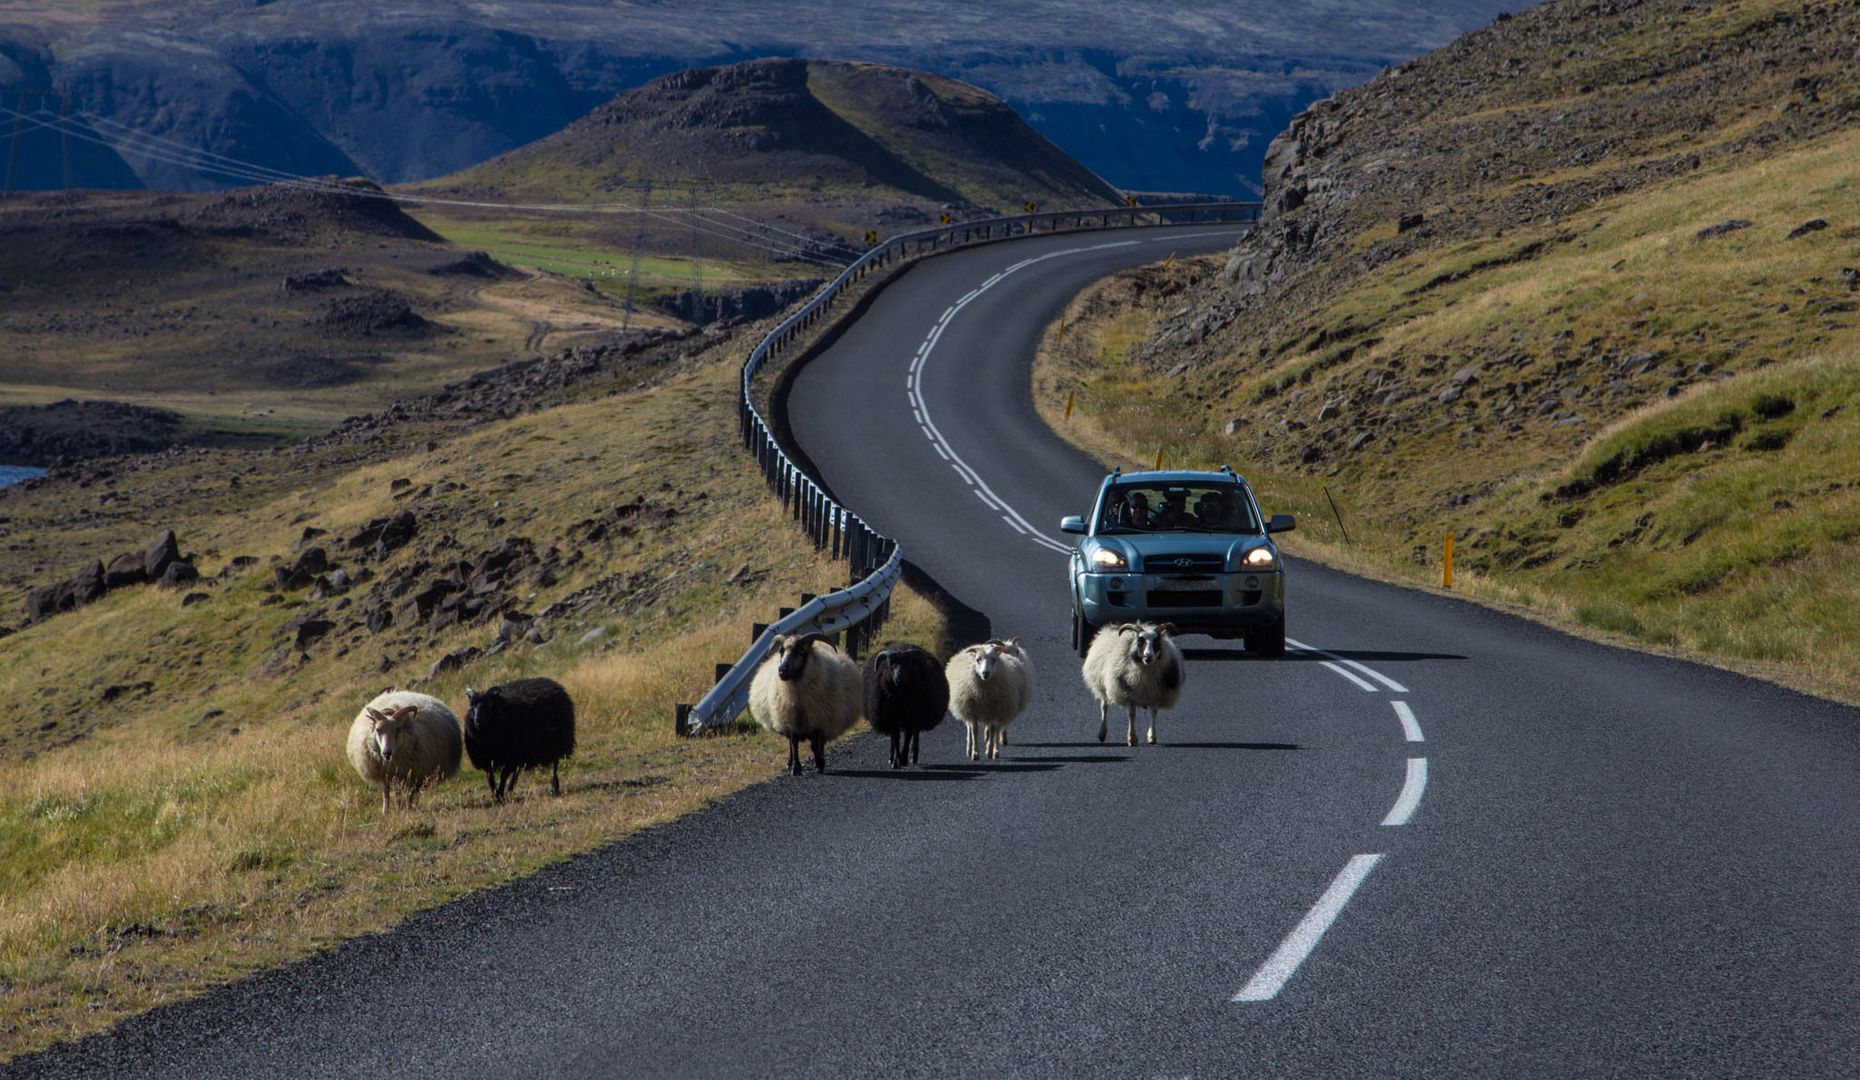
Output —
<point x="639" y="246"/>
<point x="697" y="275"/>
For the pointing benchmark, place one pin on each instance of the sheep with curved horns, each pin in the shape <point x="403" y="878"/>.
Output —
<point x="407" y="740"/>
<point x="524" y="724"/>
<point x="1136" y="665"/>
<point x="989" y="685"/>
<point x="906" y="694"/>
<point x="806" y="689"/>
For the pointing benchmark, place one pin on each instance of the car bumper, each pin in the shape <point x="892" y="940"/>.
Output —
<point x="1216" y="604"/>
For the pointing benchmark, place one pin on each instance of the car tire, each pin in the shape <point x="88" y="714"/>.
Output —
<point x="1082" y="633"/>
<point x="1267" y="641"/>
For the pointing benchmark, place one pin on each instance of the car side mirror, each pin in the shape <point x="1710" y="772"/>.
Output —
<point x="1072" y="523"/>
<point x="1279" y="523"/>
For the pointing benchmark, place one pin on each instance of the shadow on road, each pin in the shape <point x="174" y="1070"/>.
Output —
<point x="941" y="772"/>
<point x="1295" y="656"/>
<point x="1229" y="745"/>
<point x="1070" y="758"/>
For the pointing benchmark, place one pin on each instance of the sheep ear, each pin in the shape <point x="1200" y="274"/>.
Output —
<point x="471" y="695"/>
<point x="374" y="714"/>
<point x="1168" y="629"/>
<point x="1014" y="644"/>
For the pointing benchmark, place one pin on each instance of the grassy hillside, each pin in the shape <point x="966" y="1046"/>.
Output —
<point x="175" y="806"/>
<point x="1612" y="346"/>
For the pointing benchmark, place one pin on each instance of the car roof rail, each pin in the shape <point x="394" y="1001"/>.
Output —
<point x="1116" y="471"/>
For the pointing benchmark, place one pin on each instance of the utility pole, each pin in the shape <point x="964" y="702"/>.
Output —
<point x="12" y="154"/>
<point x="64" y="132"/>
<point x="639" y="245"/>
<point x="697" y="275"/>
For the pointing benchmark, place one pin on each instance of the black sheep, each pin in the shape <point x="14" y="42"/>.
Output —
<point x="519" y="725"/>
<point x="906" y="694"/>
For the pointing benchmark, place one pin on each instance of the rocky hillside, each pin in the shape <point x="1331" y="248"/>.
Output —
<point x="819" y="130"/>
<point x="1539" y="285"/>
<point x="1150" y="96"/>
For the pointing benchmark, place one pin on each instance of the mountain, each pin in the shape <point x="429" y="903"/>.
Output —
<point x="1169" y="96"/>
<point x="816" y="130"/>
<point x="1578" y="287"/>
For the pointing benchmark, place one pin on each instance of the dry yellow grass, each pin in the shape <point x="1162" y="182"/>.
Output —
<point x="161" y="855"/>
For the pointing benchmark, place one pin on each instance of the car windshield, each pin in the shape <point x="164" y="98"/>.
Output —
<point x="1188" y="507"/>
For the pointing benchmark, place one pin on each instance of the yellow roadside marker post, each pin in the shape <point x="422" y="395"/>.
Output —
<point x="1070" y="394"/>
<point x="1169" y="260"/>
<point x="1159" y="459"/>
<point x="1446" y="566"/>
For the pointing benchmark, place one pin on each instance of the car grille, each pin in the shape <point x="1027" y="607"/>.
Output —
<point x="1185" y="563"/>
<point x="1168" y="598"/>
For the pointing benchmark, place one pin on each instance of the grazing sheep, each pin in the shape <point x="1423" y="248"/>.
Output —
<point x="989" y="685"/>
<point x="906" y="694"/>
<point x="519" y="725"/>
<point x="1134" y="664"/>
<point x="405" y="739"/>
<point x="806" y="689"/>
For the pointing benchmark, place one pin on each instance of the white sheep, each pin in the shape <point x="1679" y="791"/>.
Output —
<point x="807" y="689"/>
<point x="405" y="739"/>
<point x="1136" y="665"/>
<point x="989" y="685"/>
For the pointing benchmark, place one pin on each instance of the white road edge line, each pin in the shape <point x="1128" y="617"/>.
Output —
<point x="1348" y="675"/>
<point x="1364" y="668"/>
<point x="1409" y="725"/>
<point x="1410" y="799"/>
<point x="1285" y="960"/>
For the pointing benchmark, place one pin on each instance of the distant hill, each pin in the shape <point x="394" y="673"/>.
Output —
<point x="1168" y="96"/>
<point x="807" y="131"/>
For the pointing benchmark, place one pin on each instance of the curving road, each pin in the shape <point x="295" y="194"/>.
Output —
<point x="1439" y="841"/>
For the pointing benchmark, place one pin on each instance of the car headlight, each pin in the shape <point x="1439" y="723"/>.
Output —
<point x="1261" y="558"/>
<point x="1106" y="559"/>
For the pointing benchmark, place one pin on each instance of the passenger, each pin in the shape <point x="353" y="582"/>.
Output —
<point x="1174" y="512"/>
<point x="1138" y="511"/>
<point x="1209" y="514"/>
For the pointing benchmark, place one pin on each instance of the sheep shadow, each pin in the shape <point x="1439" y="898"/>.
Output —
<point x="943" y="772"/>
<point x="1007" y="766"/>
<point x="1299" y="656"/>
<point x="1068" y="759"/>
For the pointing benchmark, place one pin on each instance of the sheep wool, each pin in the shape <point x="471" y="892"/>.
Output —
<point x="806" y="689"/>
<point x="989" y="685"/>
<point x="1135" y="665"/>
<point x="906" y="694"/>
<point x="405" y="740"/>
<point x="525" y="724"/>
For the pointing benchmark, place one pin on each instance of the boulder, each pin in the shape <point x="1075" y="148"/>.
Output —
<point x="87" y="584"/>
<point x="453" y="661"/>
<point x="48" y="600"/>
<point x="129" y="568"/>
<point x="162" y="551"/>
<point x="179" y="574"/>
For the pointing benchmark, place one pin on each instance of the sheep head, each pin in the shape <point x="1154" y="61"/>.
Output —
<point x="987" y="655"/>
<point x="794" y="652"/>
<point x="889" y="671"/>
<point x="476" y="700"/>
<point x="1146" y="640"/>
<point x="389" y="726"/>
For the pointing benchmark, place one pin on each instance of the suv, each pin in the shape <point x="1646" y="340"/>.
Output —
<point x="1190" y="548"/>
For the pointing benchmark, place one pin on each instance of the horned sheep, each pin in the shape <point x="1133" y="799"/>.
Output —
<point x="407" y="740"/>
<point x="806" y="689"/>
<point x="906" y="694"/>
<point x="1135" y="665"/>
<point x="989" y="685"/>
<point x="523" y="724"/>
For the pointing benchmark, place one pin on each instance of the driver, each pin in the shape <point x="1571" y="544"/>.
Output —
<point x="1208" y="511"/>
<point x="1175" y="511"/>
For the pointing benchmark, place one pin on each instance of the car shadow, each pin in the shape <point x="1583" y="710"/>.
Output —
<point x="1299" y="656"/>
<point x="1230" y="745"/>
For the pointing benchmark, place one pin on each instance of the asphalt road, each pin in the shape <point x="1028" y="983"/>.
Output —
<point x="1607" y="864"/>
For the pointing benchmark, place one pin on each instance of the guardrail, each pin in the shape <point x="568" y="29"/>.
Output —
<point x="875" y="561"/>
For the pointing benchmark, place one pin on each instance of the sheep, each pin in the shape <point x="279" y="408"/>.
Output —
<point x="806" y="689"/>
<point x="989" y="685"/>
<point x="1134" y="664"/>
<point x="405" y="739"/>
<point x="906" y="694"/>
<point x="519" y="725"/>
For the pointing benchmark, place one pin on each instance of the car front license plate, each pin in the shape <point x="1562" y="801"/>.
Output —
<point x="1197" y="584"/>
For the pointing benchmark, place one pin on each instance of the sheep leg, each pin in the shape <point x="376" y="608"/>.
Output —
<point x="819" y="743"/>
<point x="490" y="781"/>
<point x="1104" y="720"/>
<point x="510" y="787"/>
<point x="555" y="776"/>
<point x="794" y="755"/>
<point x="916" y="745"/>
<point x="975" y="741"/>
<point x="994" y="742"/>
<point x="387" y="795"/>
<point x="1130" y="732"/>
<point x="1152" y="725"/>
<point x="1001" y="737"/>
<point x="897" y="756"/>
